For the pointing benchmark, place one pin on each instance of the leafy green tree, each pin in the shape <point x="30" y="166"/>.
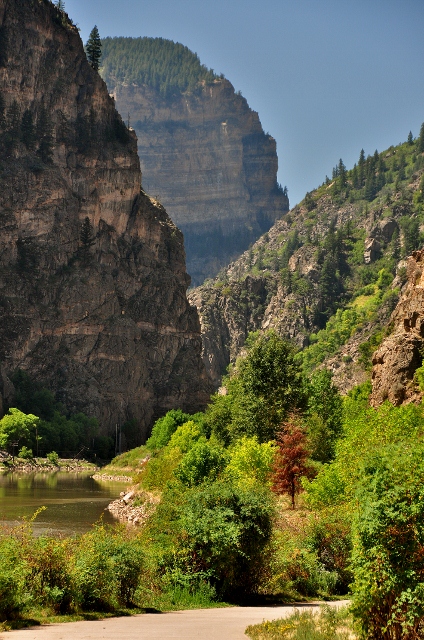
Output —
<point x="203" y="461"/>
<point x="165" y="427"/>
<point x="324" y="416"/>
<point x="389" y="544"/>
<point x="16" y="427"/>
<point x="93" y="48"/>
<point x="250" y="462"/>
<point x="265" y="386"/>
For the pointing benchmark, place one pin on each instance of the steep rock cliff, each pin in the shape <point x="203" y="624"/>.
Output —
<point x="401" y="354"/>
<point x="92" y="271"/>
<point x="205" y="155"/>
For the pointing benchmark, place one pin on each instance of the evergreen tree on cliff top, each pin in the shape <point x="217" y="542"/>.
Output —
<point x="93" y="48"/>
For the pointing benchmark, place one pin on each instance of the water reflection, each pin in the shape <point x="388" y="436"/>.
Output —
<point x="74" y="501"/>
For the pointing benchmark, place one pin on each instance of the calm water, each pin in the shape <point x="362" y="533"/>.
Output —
<point x="74" y="501"/>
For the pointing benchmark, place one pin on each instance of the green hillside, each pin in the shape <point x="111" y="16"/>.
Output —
<point x="167" y="66"/>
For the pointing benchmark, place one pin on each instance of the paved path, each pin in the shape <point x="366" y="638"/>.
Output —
<point x="199" y="624"/>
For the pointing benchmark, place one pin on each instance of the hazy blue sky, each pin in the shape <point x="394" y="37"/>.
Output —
<point x="327" y="77"/>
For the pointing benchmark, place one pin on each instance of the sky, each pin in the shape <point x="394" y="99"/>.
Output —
<point x="327" y="77"/>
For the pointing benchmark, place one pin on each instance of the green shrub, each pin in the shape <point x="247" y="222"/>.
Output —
<point x="388" y="537"/>
<point x="25" y="453"/>
<point x="14" y="597"/>
<point x="203" y="460"/>
<point x="224" y="530"/>
<point x="250" y="462"/>
<point x="53" y="458"/>
<point x="186" y="436"/>
<point x="165" y="427"/>
<point x="106" y="569"/>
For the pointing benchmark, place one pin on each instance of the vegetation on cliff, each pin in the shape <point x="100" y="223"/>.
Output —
<point x="166" y="66"/>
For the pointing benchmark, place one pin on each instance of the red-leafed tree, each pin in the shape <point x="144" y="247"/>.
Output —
<point x="291" y="460"/>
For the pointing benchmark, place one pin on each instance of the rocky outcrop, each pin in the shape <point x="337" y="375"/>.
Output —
<point x="401" y="354"/>
<point x="208" y="159"/>
<point x="92" y="271"/>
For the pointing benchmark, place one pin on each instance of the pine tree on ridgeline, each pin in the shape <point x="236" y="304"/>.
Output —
<point x="421" y="139"/>
<point x="93" y="48"/>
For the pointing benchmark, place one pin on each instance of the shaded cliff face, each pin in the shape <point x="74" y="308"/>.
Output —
<point x="401" y="354"/>
<point x="92" y="271"/>
<point x="207" y="158"/>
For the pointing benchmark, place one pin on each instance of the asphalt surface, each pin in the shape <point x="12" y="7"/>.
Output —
<point x="199" y="624"/>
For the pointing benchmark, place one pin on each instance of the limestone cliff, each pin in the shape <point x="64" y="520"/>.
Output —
<point x="205" y="155"/>
<point x="92" y="271"/>
<point x="401" y="354"/>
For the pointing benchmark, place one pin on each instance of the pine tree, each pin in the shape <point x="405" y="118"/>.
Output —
<point x="86" y="237"/>
<point x="60" y="4"/>
<point x="44" y="136"/>
<point x="13" y="125"/>
<point x="93" y="48"/>
<point x="28" y="130"/>
<point x="421" y="139"/>
<point x="410" y="138"/>
<point x="361" y="168"/>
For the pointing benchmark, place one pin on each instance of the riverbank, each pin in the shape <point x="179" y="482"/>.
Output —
<point x="43" y="465"/>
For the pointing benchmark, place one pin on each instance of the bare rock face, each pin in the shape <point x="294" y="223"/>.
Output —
<point x="92" y="271"/>
<point x="400" y="355"/>
<point x="208" y="159"/>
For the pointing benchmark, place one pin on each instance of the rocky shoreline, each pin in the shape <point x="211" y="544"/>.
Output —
<point x="43" y="466"/>
<point x="133" y="506"/>
<point x="112" y="478"/>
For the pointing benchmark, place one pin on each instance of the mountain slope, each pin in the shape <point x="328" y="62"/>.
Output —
<point x="328" y="275"/>
<point x="202" y="149"/>
<point x="92" y="274"/>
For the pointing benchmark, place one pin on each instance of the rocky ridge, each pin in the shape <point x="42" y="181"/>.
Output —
<point x="320" y="261"/>
<point x="206" y="156"/>
<point x="92" y="270"/>
<point x="397" y="359"/>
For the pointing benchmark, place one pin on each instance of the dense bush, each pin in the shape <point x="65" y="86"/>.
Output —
<point x="389" y="544"/>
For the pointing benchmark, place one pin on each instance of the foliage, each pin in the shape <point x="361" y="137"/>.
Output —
<point x="53" y="458"/>
<point x="328" y="624"/>
<point x="389" y="544"/>
<point x="164" y="65"/>
<point x="264" y="387"/>
<point x="25" y="453"/>
<point x="15" y="427"/>
<point x="224" y="530"/>
<point x="324" y="416"/>
<point x="291" y="459"/>
<point x="250" y="463"/>
<point x="204" y="460"/>
<point x="165" y="427"/>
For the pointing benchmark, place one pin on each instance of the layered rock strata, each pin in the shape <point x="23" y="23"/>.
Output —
<point x="92" y="271"/>
<point x="208" y="159"/>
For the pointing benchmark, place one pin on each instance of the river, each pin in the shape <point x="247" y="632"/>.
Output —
<point x="73" y="501"/>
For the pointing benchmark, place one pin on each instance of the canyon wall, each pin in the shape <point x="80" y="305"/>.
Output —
<point x="205" y="155"/>
<point x="92" y="270"/>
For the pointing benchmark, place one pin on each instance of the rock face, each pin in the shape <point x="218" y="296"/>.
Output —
<point x="208" y="159"/>
<point x="401" y="354"/>
<point x="92" y="271"/>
